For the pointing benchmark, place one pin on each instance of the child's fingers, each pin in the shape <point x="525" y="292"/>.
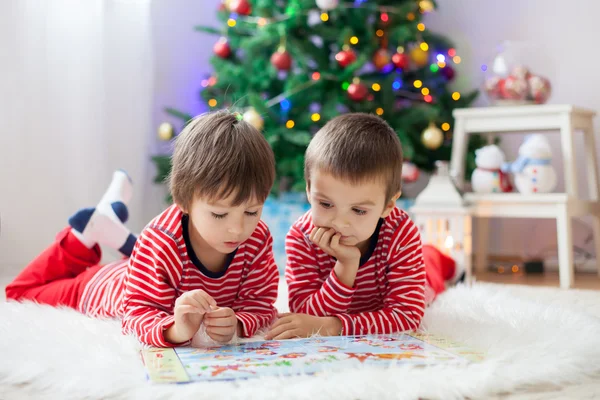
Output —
<point x="195" y="299"/>
<point x="219" y="330"/>
<point x="335" y="241"/>
<point x="198" y="302"/>
<point x="326" y="238"/>
<point x="290" y="334"/>
<point x="189" y="309"/>
<point x="220" y="338"/>
<point x="311" y="237"/>
<point x="319" y="235"/>
<point x="314" y="233"/>
<point x="223" y="312"/>
<point x="219" y="321"/>
<point x="207" y="297"/>
<point x="278" y="330"/>
<point x="203" y="299"/>
<point x="283" y="320"/>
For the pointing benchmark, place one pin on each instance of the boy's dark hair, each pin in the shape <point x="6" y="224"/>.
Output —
<point x="217" y="155"/>
<point x="356" y="147"/>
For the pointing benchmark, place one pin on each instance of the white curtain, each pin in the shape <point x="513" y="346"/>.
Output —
<point x="75" y="104"/>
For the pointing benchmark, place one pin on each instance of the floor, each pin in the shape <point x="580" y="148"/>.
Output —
<point x="548" y="279"/>
<point x="587" y="281"/>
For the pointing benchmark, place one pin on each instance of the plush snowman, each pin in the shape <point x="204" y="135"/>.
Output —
<point x="533" y="170"/>
<point x="488" y="177"/>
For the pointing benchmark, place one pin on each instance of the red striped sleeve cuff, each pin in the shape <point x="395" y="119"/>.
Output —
<point x="156" y="335"/>
<point x="347" y="324"/>
<point x="340" y="293"/>
<point x="252" y="322"/>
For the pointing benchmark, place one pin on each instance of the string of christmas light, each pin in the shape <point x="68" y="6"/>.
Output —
<point x="357" y="90"/>
<point x="282" y="60"/>
<point x="291" y="12"/>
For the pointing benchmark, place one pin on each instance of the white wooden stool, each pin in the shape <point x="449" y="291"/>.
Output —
<point x="559" y="206"/>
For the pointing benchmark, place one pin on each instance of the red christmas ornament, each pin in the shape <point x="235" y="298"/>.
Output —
<point x="222" y="49"/>
<point x="520" y="72"/>
<point x="241" y="7"/>
<point x="381" y="58"/>
<point x="448" y="72"/>
<point x="410" y="172"/>
<point x="281" y="60"/>
<point x="492" y="87"/>
<point x="357" y="91"/>
<point x="539" y="88"/>
<point x="401" y="60"/>
<point x="345" y="57"/>
<point x="514" y="88"/>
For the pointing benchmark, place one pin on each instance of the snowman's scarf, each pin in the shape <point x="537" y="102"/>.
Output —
<point x="521" y="162"/>
<point x="505" y="184"/>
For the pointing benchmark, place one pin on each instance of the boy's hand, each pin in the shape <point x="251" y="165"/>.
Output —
<point x="221" y="324"/>
<point x="290" y="326"/>
<point x="329" y="241"/>
<point x="190" y="308"/>
<point x="348" y="257"/>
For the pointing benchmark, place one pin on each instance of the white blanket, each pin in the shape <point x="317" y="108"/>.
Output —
<point x="532" y="337"/>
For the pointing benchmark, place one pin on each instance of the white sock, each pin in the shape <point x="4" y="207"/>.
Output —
<point x="120" y="189"/>
<point x="104" y="223"/>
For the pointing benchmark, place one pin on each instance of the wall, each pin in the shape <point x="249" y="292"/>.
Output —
<point x="76" y="102"/>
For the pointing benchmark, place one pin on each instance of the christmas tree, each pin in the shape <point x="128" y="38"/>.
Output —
<point x="290" y="66"/>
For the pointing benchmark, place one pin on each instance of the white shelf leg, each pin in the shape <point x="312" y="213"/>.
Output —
<point x="591" y="162"/>
<point x="593" y="183"/>
<point x="565" y="248"/>
<point x="568" y="150"/>
<point x="596" y="229"/>
<point x="459" y="153"/>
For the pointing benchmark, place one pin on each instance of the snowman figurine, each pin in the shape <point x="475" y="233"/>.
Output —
<point x="488" y="177"/>
<point x="533" y="170"/>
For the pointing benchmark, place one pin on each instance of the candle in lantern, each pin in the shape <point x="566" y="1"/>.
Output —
<point x="449" y="242"/>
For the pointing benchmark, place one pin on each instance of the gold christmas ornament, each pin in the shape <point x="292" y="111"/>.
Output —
<point x="419" y="56"/>
<point x="426" y="5"/>
<point x="253" y="118"/>
<point x="166" y="131"/>
<point x="432" y="137"/>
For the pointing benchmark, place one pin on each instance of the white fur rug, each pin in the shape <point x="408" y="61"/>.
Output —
<point x="535" y="339"/>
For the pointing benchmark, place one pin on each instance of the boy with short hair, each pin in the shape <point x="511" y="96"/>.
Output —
<point x="355" y="261"/>
<point x="207" y="259"/>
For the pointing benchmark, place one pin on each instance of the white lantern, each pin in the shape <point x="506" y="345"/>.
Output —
<point x="443" y="218"/>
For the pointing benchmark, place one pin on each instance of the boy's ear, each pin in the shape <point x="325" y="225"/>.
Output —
<point x="308" y="192"/>
<point x="390" y="205"/>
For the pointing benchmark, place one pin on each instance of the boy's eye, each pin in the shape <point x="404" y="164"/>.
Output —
<point x="252" y="214"/>
<point x="219" y="216"/>
<point x="324" y="204"/>
<point x="359" y="211"/>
